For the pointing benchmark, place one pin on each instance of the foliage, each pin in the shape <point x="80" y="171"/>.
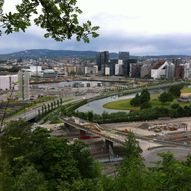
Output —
<point x="32" y="160"/>
<point x="176" y="90"/>
<point x="52" y="164"/>
<point x="165" y="97"/>
<point x="132" y="155"/>
<point x="59" y="18"/>
<point x="148" y="113"/>
<point x="142" y="99"/>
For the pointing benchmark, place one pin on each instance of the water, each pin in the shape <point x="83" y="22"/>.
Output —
<point x="97" y="105"/>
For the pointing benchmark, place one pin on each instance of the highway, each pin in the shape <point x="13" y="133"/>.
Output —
<point x="31" y="113"/>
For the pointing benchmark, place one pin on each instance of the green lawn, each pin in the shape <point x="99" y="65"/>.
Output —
<point x="121" y="105"/>
<point x="125" y="104"/>
<point x="186" y="90"/>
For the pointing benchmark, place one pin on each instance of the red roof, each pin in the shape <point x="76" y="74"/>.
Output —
<point x="158" y="64"/>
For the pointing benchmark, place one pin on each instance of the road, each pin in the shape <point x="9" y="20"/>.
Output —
<point x="151" y="156"/>
<point x="33" y="112"/>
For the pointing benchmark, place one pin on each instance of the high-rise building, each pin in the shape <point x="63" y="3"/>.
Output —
<point x="170" y="69"/>
<point x="146" y="70"/>
<point x="24" y="88"/>
<point x="179" y="71"/>
<point x="119" y="68"/>
<point x="187" y="71"/>
<point x="124" y="56"/>
<point x="102" y="61"/>
<point x="112" y="66"/>
<point x="135" y="70"/>
<point x="126" y="65"/>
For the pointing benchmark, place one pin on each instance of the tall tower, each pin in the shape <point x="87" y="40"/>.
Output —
<point x="126" y="65"/>
<point x="102" y="61"/>
<point x="124" y="56"/>
<point x="24" y="88"/>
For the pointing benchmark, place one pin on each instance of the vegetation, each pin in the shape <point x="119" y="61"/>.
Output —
<point x="186" y="90"/>
<point x="59" y="18"/>
<point x="35" y="161"/>
<point x="166" y="97"/>
<point x="175" y="90"/>
<point x="151" y="113"/>
<point x="141" y="99"/>
<point x="32" y="160"/>
<point x="121" y="105"/>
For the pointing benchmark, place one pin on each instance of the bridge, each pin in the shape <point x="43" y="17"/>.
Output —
<point x="114" y="137"/>
<point x="70" y="123"/>
<point x="110" y="137"/>
<point x="38" y="110"/>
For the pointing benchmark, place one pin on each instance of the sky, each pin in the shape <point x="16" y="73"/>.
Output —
<point x="142" y="27"/>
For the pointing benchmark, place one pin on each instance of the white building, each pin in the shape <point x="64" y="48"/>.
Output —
<point x="119" y="68"/>
<point x="36" y="70"/>
<point x="8" y="82"/>
<point x="159" y="70"/>
<point x="24" y="88"/>
<point x="187" y="71"/>
<point x="90" y="70"/>
<point x="107" y="71"/>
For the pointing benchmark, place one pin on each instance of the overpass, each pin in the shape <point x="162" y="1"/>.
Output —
<point x="111" y="137"/>
<point x="38" y="110"/>
<point x="70" y="123"/>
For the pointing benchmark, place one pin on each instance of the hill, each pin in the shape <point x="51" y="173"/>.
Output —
<point x="45" y="53"/>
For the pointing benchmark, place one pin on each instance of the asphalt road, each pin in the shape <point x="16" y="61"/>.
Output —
<point x="151" y="156"/>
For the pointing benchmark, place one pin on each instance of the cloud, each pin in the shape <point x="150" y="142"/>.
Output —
<point x="135" y="44"/>
<point x="141" y="27"/>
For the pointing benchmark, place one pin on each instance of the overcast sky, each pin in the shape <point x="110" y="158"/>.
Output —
<point x="143" y="27"/>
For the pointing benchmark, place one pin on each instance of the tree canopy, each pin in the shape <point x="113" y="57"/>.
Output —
<point x="60" y="19"/>
<point x="36" y="161"/>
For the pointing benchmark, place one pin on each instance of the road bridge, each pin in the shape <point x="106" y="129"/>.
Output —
<point x="34" y="112"/>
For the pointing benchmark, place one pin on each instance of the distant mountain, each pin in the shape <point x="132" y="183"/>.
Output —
<point x="45" y="53"/>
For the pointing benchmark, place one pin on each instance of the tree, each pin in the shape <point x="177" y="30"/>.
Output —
<point x="37" y="161"/>
<point x="165" y="97"/>
<point x="142" y="99"/>
<point x="132" y="155"/>
<point x="58" y="17"/>
<point x="30" y="179"/>
<point x="135" y="101"/>
<point x="87" y="166"/>
<point x="175" y="90"/>
<point x="145" y="96"/>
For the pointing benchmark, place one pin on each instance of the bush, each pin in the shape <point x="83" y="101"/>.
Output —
<point x="165" y="97"/>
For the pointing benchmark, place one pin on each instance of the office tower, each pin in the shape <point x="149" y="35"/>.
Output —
<point x="187" y="71"/>
<point x="102" y="61"/>
<point x="24" y="88"/>
<point x="124" y="56"/>
<point x="179" y="71"/>
<point x="170" y="69"/>
<point x="126" y="65"/>
<point x="119" y="68"/>
<point x="112" y="66"/>
<point x="135" y="70"/>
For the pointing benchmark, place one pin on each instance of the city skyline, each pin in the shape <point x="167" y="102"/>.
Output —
<point x="142" y="28"/>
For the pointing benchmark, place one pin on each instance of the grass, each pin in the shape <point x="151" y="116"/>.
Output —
<point x="121" y="105"/>
<point x="186" y="90"/>
<point x="154" y="102"/>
